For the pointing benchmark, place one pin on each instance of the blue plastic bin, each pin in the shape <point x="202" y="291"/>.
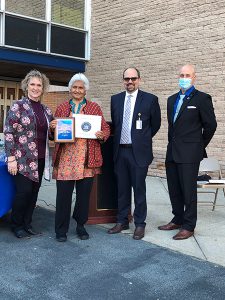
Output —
<point x="7" y="189"/>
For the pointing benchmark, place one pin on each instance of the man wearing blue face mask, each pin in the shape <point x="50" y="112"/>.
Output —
<point x="191" y="126"/>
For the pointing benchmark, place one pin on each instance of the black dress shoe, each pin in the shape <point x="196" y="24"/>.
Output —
<point x="21" y="233"/>
<point x="82" y="233"/>
<point x="61" y="238"/>
<point x="118" y="228"/>
<point x="32" y="232"/>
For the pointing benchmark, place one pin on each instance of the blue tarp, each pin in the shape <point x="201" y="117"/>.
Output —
<point x="7" y="189"/>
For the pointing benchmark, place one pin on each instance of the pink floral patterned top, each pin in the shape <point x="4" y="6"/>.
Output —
<point x="21" y="140"/>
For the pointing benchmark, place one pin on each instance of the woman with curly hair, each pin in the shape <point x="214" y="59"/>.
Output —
<point x="26" y="144"/>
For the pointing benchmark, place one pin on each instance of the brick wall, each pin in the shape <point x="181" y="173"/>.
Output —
<point x="53" y="99"/>
<point x="158" y="37"/>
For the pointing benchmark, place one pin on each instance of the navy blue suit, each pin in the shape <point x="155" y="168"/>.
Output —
<point x="131" y="164"/>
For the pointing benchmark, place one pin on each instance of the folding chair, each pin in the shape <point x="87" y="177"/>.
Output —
<point x="211" y="165"/>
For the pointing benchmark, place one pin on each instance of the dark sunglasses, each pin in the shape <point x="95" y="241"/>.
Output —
<point x="127" y="79"/>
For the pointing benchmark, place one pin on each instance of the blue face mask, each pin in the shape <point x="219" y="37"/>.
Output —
<point x="185" y="83"/>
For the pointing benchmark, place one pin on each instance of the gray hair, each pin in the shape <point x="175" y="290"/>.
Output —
<point x="37" y="74"/>
<point x="81" y="77"/>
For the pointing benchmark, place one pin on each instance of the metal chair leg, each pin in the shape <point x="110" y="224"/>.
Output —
<point x="214" y="203"/>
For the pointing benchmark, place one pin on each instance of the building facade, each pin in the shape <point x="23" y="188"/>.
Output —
<point x="158" y="37"/>
<point x="52" y="36"/>
<point x="102" y="38"/>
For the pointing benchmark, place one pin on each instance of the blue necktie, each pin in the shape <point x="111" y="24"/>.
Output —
<point x="125" y="133"/>
<point x="180" y="102"/>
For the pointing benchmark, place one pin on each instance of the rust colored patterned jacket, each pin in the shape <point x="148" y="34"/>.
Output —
<point x="93" y="145"/>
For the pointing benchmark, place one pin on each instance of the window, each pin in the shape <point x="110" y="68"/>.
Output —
<point x="35" y="9"/>
<point x="67" y="41"/>
<point x="25" y="33"/>
<point x="1" y="27"/>
<point x="69" y="13"/>
<point x="59" y="27"/>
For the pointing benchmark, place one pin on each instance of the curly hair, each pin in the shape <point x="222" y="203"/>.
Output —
<point x="37" y="74"/>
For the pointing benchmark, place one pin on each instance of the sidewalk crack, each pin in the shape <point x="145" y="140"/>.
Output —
<point x="162" y="182"/>
<point x="201" y="249"/>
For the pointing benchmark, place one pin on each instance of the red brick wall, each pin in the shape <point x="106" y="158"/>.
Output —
<point x="53" y="99"/>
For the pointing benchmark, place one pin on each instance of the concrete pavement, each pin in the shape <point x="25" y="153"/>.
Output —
<point x="208" y="242"/>
<point x="114" y="267"/>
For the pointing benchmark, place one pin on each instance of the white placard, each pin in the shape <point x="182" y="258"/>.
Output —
<point x="87" y="125"/>
<point x="217" y="181"/>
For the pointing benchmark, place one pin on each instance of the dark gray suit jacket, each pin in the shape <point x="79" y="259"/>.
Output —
<point x="193" y="129"/>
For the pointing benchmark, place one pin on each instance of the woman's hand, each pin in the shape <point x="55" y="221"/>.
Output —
<point x="53" y="124"/>
<point x="100" y="135"/>
<point x="12" y="165"/>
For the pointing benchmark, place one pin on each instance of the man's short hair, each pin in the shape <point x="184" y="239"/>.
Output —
<point x="138" y="72"/>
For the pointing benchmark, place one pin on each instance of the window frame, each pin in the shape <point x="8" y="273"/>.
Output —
<point x="25" y="19"/>
<point x="69" y="27"/>
<point x="47" y="21"/>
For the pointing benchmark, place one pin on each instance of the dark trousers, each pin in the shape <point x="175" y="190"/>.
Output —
<point x="129" y="175"/>
<point x="182" y="185"/>
<point x="25" y="199"/>
<point x="64" y="199"/>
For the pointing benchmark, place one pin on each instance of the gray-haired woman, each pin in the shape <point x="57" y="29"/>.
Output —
<point x="26" y="145"/>
<point x="76" y="163"/>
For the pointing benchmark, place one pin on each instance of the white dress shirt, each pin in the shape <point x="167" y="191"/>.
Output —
<point x="133" y="101"/>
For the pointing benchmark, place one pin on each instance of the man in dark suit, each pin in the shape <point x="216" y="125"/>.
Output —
<point x="136" y="119"/>
<point x="192" y="124"/>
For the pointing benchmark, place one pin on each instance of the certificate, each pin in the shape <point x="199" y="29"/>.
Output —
<point x="64" y="131"/>
<point x="87" y="125"/>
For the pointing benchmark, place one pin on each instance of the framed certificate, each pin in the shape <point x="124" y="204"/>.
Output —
<point x="87" y="125"/>
<point x="64" y="131"/>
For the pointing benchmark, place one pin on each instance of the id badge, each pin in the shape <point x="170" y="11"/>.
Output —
<point x="138" y="124"/>
<point x="73" y="115"/>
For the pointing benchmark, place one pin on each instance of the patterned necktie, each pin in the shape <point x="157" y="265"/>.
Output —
<point x="180" y="102"/>
<point x="125" y="133"/>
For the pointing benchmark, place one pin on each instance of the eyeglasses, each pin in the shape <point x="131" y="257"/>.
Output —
<point x="127" y="79"/>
